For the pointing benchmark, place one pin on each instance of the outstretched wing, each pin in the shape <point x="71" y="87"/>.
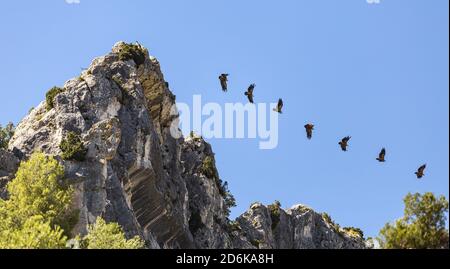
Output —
<point x="250" y="89"/>
<point x="346" y="139"/>
<point x="422" y="169"/>
<point x="250" y="98"/>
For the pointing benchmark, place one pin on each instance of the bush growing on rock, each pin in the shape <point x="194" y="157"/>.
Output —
<point x="50" y="97"/>
<point x="132" y="52"/>
<point x="274" y="210"/>
<point x="330" y="221"/>
<point x="109" y="236"/>
<point x="73" y="148"/>
<point x="6" y="133"/>
<point x="234" y="226"/>
<point x="228" y="197"/>
<point x="352" y="231"/>
<point x="209" y="168"/>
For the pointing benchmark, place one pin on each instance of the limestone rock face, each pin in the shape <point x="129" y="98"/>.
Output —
<point x="8" y="167"/>
<point x="137" y="173"/>
<point x="297" y="228"/>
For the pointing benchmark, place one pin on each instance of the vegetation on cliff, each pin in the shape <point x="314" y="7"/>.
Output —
<point x="38" y="213"/>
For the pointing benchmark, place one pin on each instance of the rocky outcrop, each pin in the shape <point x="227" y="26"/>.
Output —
<point x="138" y="174"/>
<point x="8" y="167"/>
<point x="297" y="228"/>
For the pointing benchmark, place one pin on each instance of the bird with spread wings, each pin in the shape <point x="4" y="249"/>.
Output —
<point x="420" y="171"/>
<point x="344" y="143"/>
<point x="249" y="93"/>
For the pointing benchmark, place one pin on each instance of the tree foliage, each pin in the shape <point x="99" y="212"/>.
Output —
<point x="73" y="148"/>
<point x="422" y="227"/>
<point x="6" y="134"/>
<point x="38" y="213"/>
<point x="109" y="236"/>
<point x="38" y="206"/>
<point x="274" y="210"/>
<point x="208" y="168"/>
<point x="35" y="233"/>
<point x="50" y="97"/>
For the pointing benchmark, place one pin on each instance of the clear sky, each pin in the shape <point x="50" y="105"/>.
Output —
<point x="377" y="72"/>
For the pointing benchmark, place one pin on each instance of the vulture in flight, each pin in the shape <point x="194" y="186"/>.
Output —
<point x="309" y="130"/>
<point x="420" y="171"/>
<point x="279" y="106"/>
<point x="344" y="143"/>
<point x="249" y="93"/>
<point x="223" y="82"/>
<point x="382" y="155"/>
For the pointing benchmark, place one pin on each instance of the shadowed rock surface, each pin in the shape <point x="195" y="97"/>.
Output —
<point x="137" y="174"/>
<point x="8" y="167"/>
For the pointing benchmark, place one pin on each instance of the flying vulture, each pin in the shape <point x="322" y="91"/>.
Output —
<point x="344" y="143"/>
<point x="249" y="93"/>
<point x="382" y="155"/>
<point x="223" y="82"/>
<point x="279" y="106"/>
<point x="309" y="130"/>
<point x="420" y="171"/>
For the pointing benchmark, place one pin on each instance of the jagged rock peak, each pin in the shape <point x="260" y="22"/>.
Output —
<point x="111" y="129"/>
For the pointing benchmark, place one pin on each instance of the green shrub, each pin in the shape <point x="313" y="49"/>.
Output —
<point x="38" y="206"/>
<point x="50" y="97"/>
<point x="228" y="197"/>
<point x="234" y="226"/>
<point x="6" y="134"/>
<point x="274" y="210"/>
<point x="38" y="214"/>
<point x="73" y="148"/>
<point x="109" y="236"/>
<point x="354" y="231"/>
<point x="208" y="168"/>
<point x="330" y="221"/>
<point x="132" y="52"/>
<point x="35" y="233"/>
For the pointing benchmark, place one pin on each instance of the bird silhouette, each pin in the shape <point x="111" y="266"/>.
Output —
<point x="249" y="93"/>
<point x="309" y="130"/>
<point x="224" y="82"/>
<point x="279" y="106"/>
<point x="382" y="155"/>
<point x="420" y="171"/>
<point x="344" y="143"/>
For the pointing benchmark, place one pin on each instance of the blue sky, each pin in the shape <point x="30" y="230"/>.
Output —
<point x="376" y="72"/>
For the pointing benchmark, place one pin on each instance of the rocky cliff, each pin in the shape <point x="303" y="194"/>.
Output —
<point x="137" y="174"/>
